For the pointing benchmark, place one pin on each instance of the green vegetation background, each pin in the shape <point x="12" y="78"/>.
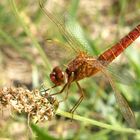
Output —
<point x="26" y="60"/>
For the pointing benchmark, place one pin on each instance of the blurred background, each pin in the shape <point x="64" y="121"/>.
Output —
<point x="31" y="45"/>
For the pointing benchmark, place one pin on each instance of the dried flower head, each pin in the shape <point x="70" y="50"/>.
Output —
<point x="38" y="107"/>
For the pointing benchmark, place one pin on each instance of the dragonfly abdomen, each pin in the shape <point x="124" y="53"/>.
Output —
<point x="110" y="54"/>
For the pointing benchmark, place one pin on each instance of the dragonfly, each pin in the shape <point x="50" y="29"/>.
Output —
<point x="85" y="65"/>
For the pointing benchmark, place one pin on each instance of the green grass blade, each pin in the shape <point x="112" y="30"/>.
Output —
<point x="28" y="32"/>
<point x="73" y="8"/>
<point x="14" y="44"/>
<point x="97" y="123"/>
<point x="41" y="134"/>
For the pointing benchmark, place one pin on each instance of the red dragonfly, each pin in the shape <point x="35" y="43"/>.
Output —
<point x="85" y="65"/>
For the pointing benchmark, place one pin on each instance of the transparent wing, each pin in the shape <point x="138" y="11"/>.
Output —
<point x="75" y="29"/>
<point x="68" y="27"/>
<point x="118" y="72"/>
<point x="121" y="74"/>
<point x="122" y="103"/>
<point x="58" y="53"/>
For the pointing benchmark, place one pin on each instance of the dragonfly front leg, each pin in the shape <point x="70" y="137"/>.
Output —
<point x="79" y="100"/>
<point x="67" y="93"/>
<point x="67" y="85"/>
<point x="60" y="90"/>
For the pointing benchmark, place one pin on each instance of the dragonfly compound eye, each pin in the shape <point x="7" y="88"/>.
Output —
<point x="57" y="76"/>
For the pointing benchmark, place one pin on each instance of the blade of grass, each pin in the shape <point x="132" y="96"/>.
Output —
<point x="75" y="28"/>
<point x="41" y="135"/>
<point x="15" y="45"/>
<point x="28" y="32"/>
<point x="97" y="123"/>
<point x="73" y="8"/>
<point x="123" y="6"/>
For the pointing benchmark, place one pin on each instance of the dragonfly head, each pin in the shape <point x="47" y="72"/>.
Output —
<point x="57" y="76"/>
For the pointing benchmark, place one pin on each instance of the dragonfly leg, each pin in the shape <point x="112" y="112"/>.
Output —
<point x="79" y="100"/>
<point x="42" y="87"/>
<point x="67" y="93"/>
<point x="45" y="90"/>
<point x="67" y="85"/>
<point x="60" y="90"/>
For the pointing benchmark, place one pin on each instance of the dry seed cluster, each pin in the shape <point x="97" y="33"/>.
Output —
<point x="38" y="107"/>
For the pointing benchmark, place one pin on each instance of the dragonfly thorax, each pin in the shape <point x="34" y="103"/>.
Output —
<point x="81" y="67"/>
